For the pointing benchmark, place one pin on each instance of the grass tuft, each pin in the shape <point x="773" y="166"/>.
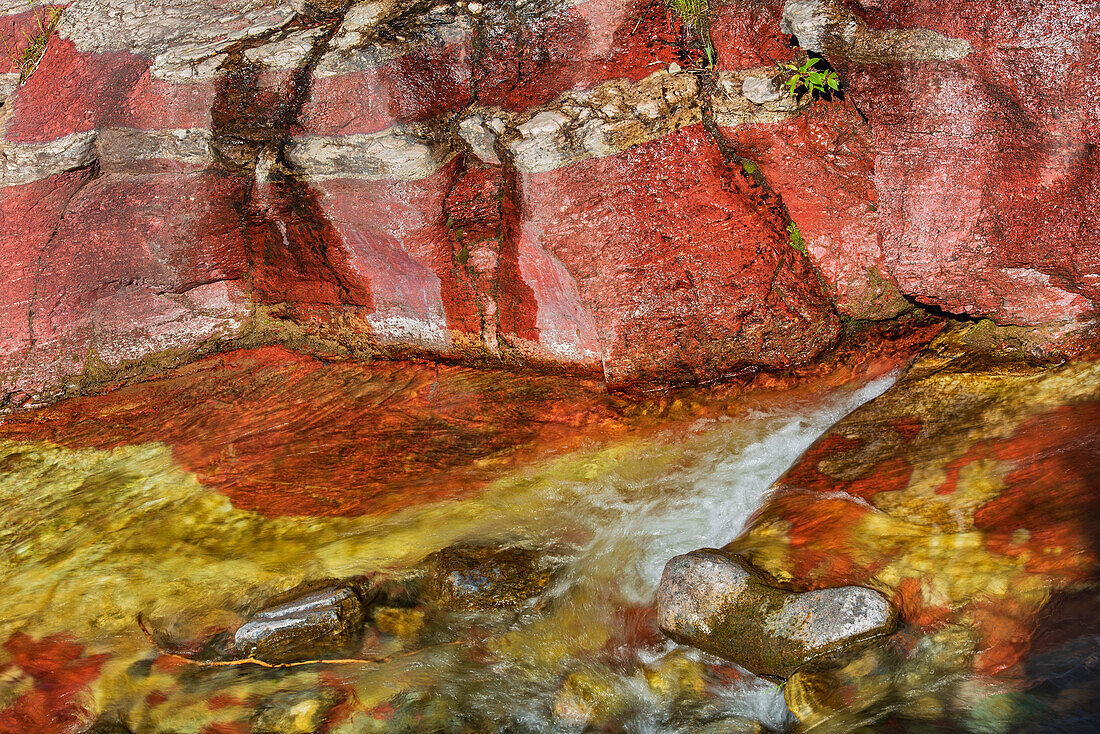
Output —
<point x="796" y="238"/>
<point x="28" y="57"/>
<point x="696" y="15"/>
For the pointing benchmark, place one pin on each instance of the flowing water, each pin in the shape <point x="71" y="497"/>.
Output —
<point x="94" y="537"/>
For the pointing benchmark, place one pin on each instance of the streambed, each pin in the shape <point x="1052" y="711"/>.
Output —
<point x="93" y="537"/>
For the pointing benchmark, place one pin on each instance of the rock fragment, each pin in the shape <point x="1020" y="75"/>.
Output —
<point x="471" y="578"/>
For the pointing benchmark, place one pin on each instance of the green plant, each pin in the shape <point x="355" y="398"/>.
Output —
<point x="807" y="79"/>
<point x="28" y="57"/>
<point x="796" y="238"/>
<point x="696" y="15"/>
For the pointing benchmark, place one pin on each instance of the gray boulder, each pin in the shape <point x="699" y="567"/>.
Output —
<point x="314" y="624"/>
<point x="720" y="603"/>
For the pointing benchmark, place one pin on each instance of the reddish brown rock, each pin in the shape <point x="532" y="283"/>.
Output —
<point x="549" y="52"/>
<point x="985" y="130"/>
<point x="965" y="493"/>
<point x="822" y="164"/>
<point x="628" y="231"/>
<point x="246" y="421"/>
<point x="747" y="35"/>
<point x="130" y="270"/>
<point x="59" y="673"/>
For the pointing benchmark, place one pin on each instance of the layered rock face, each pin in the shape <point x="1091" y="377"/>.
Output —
<point x="983" y="127"/>
<point x="377" y="179"/>
<point x="548" y="183"/>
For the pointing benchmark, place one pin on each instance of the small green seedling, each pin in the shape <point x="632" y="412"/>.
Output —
<point x="806" y="79"/>
<point x="796" y="238"/>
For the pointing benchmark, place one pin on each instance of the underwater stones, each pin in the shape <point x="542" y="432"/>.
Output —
<point x="294" y="712"/>
<point x="472" y="578"/>
<point x="730" y="725"/>
<point x="590" y="698"/>
<point x="717" y="602"/>
<point x="314" y="624"/>
<point x="676" y="676"/>
<point x="919" y="676"/>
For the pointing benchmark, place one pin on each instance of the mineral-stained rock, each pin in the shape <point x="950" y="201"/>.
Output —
<point x="313" y="625"/>
<point x="323" y="158"/>
<point x="833" y="696"/>
<point x="294" y="712"/>
<point x="822" y="163"/>
<point x="984" y="130"/>
<point x="689" y="311"/>
<point x="718" y="602"/>
<point x="247" y="420"/>
<point x="592" y="698"/>
<point x="465" y="577"/>
<point x="731" y="725"/>
<point x="966" y="493"/>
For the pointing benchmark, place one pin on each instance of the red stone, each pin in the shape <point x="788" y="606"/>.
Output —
<point x="135" y="267"/>
<point x="60" y="672"/>
<point x="686" y="273"/>
<point x="414" y="87"/>
<point x="987" y="167"/>
<point x="575" y="49"/>
<point x="71" y="92"/>
<point x="747" y="35"/>
<point x="246" y="421"/>
<point x="822" y="163"/>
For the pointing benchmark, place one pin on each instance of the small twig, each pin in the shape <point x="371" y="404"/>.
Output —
<point x="265" y="664"/>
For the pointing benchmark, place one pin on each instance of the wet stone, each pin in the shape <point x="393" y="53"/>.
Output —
<point x="590" y="698"/>
<point x="720" y="603"/>
<point x="473" y="578"/>
<point x="315" y="624"/>
<point x="108" y="726"/>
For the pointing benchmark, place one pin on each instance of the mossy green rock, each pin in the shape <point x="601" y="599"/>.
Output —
<point x="720" y="603"/>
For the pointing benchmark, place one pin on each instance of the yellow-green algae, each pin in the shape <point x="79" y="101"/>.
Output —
<point x="96" y="537"/>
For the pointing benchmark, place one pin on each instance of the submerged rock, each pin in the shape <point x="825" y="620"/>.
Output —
<point x="312" y="625"/>
<point x="718" y="602"/>
<point x="590" y="698"/>
<point x="294" y="712"/>
<point x="731" y="725"/>
<point x="966" y="492"/>
<point x="469" y="578"/>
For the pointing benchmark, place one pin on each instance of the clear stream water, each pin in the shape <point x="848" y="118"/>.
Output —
<point x="93" y="537"/>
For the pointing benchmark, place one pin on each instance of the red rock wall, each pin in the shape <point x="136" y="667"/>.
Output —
<point x="985" y="154"/>
<point x="549" y="186"/>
